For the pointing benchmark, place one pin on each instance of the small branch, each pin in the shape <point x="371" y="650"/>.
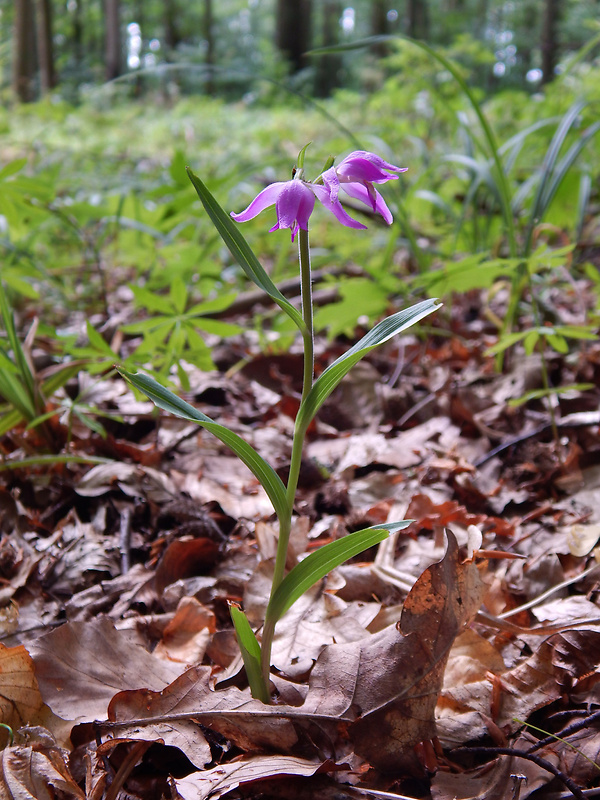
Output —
<point x="541" y="762"/>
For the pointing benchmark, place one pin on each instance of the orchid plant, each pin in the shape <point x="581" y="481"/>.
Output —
<point x="357" y="175"/>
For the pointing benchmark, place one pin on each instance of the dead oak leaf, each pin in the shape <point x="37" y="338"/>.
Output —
<point x="35" y="769"/>
<point x="248" y="723"/>
<point x="554" y="669"/>
<point x="389" y="683"/>
<point x="20" y="700"/>
<point x="81" y="665"/>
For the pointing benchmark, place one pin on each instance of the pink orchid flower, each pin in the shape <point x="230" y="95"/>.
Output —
<point x="294" y="202"/>
<point x="356" y="175"/>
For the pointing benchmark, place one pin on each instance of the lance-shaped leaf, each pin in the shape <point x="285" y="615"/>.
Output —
<point x="241" y="251"/>
<point x="334" y="373"/>
<point x="250" y="650"/>
<point x="165" y="399"/>
<point x="321" y="561"/>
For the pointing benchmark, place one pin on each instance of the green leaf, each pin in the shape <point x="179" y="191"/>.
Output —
<point x="240" y="250"/>
<point x="557" y="342"/>
<point x="334" y="373"/>
<point x="165" y="399"/>
<point x="321" y="561"/>
<point x="530" y="341"/>
<point x="537" y="394"/>
<point x="178" y="295"/>
<point x="98" y="343"/>
<point x="12" y="168"/>
<point x="250" y="653"/>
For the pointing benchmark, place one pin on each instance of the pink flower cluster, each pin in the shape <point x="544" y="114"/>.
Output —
<point x="295" y="200"/>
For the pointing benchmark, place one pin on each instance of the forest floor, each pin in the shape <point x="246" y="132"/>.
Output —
<point x="459" y="659"/>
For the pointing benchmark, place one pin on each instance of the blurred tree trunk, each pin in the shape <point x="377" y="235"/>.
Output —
<point x="78" y="35"/>
<point x="417" y="19"/>
<point x="45" y="46"/>
<point x="379" y="25"/>
<point x="172" y="33"/>
<point x="209" y="36"/>
<point x="549" y="44"/>
<point x="112" y="38"/>
<point x="24" y="56"/>
<point x="328" y="66"/>
<point x="530" y="22"/>
<point x="293" y="31"/>
<point x="481" y="18"/>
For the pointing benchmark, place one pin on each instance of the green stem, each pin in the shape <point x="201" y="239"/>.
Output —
<point x="285" y="524"/>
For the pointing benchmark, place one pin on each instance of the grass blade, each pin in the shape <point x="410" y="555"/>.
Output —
<point x="165" y="399"/>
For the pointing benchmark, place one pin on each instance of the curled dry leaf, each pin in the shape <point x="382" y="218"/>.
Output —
<point x="186" y="636"/>
<point x="35" y="767"/>
<point x="553" y="669"/>
<point x="389" y="683"/>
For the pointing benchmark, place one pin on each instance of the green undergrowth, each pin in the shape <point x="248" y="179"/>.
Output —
<point x="95" y="205"/>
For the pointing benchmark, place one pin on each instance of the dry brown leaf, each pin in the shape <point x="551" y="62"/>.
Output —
<point x="184" y="558"/>
<point x="186" y="636"/>
<point x="580" y="761"/>
<point x="248" y="723"/>
<point x="20" y="700"/>
<point x="34" y="765"/>
<point x="392" y="680"/>
<point x="505" y="778"/>
<point x="554" y="668"/>
<point x="222" y="779"/>
<point x="80" y="666"/>
<point x="466" y="697"/>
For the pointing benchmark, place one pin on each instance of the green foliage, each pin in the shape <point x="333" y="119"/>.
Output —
<point x="22" y="392"/>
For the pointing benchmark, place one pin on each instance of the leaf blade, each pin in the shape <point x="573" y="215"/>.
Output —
<point x="321" y="561"/>
<point x="168" y="401"/>
<point x="241" y="251"/>
<point x="334" y="373"/>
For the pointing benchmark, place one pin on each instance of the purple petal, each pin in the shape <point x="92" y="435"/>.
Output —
<point x="294" y="205"/>
<point x="361" y="166"/>
<point x="376" y="202"/>
<point x="262" y="200"/>
<point x="323" y="194"/>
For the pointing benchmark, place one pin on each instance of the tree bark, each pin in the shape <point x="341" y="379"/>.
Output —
<point x="45" y="46"/>
<point x="171" y="28"/>
<point x="379" y="25"/>
<point x="328" y="66"/>
<point x="549" y="44"/>
<point x="293" y="31"/>
<point x="24" y="54"/>
<point x="112" y="38"/>
<point x="209" y="36"/>
<point x="418" y="19"/>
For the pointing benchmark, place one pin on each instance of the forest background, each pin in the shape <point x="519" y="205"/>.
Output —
<point x="116" y="519"/>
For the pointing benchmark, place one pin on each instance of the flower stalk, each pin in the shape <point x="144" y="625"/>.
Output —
<point x="294" y="201"/>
